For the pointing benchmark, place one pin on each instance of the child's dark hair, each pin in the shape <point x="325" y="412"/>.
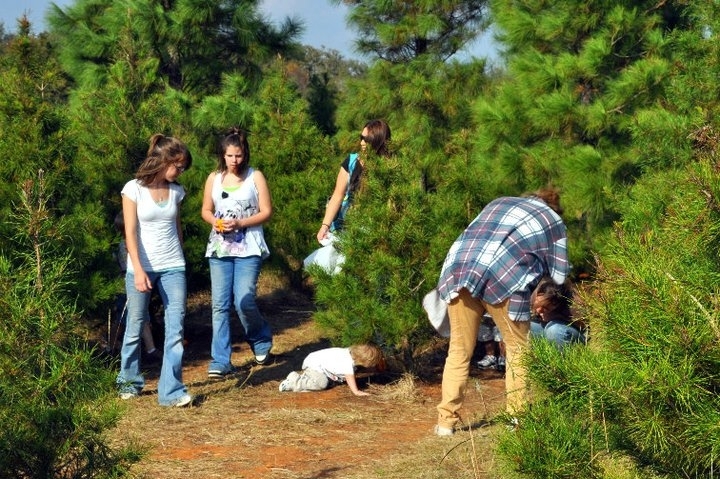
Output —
<point x="119" y="223"/>
<point x="366" y="355"/>
<point x="237" y="137"/>
<point x="558" y="295"/>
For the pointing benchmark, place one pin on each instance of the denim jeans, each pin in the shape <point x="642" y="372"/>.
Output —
<point x="556" y="332"/>
<point x="234" y="283"/>
<point x="172" y="287"/>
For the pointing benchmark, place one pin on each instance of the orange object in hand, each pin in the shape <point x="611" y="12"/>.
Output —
<point x="219" y="225"/>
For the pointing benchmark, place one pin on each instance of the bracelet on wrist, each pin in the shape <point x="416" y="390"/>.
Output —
<point x="326" y="225"/>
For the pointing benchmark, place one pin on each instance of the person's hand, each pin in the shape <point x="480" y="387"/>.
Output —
<point x="142" y="282"/>
<point x="226" y="225"/>
<point x="322" y="233"/>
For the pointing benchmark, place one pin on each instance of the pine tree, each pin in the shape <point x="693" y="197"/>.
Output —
<point x="34" y="136"/>
<point x="375" y="296"/>
<point x="400" y="31"/>
<point x="580" y="78"/>
<point x="56" y="406"/>
<point x="644" y="392"/>
<point x="642" y="396"/>
<point x="191" y="42"/>
<point x="407" y="216"/>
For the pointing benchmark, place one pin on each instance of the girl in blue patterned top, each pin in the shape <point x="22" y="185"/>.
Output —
<point x="236" y="203"/>
<point x="375" y="134"/>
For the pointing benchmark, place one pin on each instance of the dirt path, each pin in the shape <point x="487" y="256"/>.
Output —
<point x="243" y="427"/>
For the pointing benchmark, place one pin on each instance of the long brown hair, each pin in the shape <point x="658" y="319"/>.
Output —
<point x="378" y="140"/>
<point x="163" y="151"/>
<point x="378" y="137"/>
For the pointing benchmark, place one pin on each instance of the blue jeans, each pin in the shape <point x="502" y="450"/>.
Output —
<point x="234" y="283"/>
<point x="172" y="287"/>
<point x="556" y="332"/>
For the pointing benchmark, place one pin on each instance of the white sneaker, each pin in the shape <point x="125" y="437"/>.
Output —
<point x="443" y="431"/>
<point x="128" y="395"/>
<point x="183" y="401"/>
<point x="263" y="359"/>
<point x="489" y="361"/>
<point x="501" y="363"/>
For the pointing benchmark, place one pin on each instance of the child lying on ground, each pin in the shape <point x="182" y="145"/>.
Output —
<point x="333" y="364"/>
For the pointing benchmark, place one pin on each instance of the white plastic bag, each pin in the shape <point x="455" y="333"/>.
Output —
<point x="437" y="311"/>
<point x="327" y="257"/>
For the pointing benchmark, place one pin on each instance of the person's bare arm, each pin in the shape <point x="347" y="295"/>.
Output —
<point x="208" y="205"/>
<point x="333" y="205"/>
<point x="352" y="384"/>
<point x="142" y="282"/>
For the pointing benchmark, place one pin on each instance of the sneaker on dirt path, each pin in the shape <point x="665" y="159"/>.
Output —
<point x="443" y="431"/>
<point x="221" y="373"/>
<point x="263" y="359"/>
<point x="489" y="361"/>
<point x="183" y="401"/>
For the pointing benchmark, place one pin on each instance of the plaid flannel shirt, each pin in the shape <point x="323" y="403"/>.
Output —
<point x="503" y="253"/>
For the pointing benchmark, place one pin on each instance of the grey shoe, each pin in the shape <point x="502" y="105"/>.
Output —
<point x="489" y="361"/>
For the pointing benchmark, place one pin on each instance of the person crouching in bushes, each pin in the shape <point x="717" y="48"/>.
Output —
<point x="552" y="314"/>
<point x="333" y="364"/>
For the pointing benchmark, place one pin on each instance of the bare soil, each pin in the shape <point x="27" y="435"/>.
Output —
<point x="243" y="427"/>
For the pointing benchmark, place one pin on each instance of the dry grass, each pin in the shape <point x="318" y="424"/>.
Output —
<point x="404" y="390"/>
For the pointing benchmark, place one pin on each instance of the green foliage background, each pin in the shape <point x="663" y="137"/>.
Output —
<point x="57" y="396"/>
<point x="614" y="102"/>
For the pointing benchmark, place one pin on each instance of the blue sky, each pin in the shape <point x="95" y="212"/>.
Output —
<point x="324" y="23"/>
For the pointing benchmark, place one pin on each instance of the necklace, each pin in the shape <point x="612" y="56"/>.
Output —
<point x="159" y="192"/>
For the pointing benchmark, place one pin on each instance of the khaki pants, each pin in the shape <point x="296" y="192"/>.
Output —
<point x="465" y="314"/>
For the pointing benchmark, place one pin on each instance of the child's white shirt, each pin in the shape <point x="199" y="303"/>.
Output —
<point x="335" y="363"/>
